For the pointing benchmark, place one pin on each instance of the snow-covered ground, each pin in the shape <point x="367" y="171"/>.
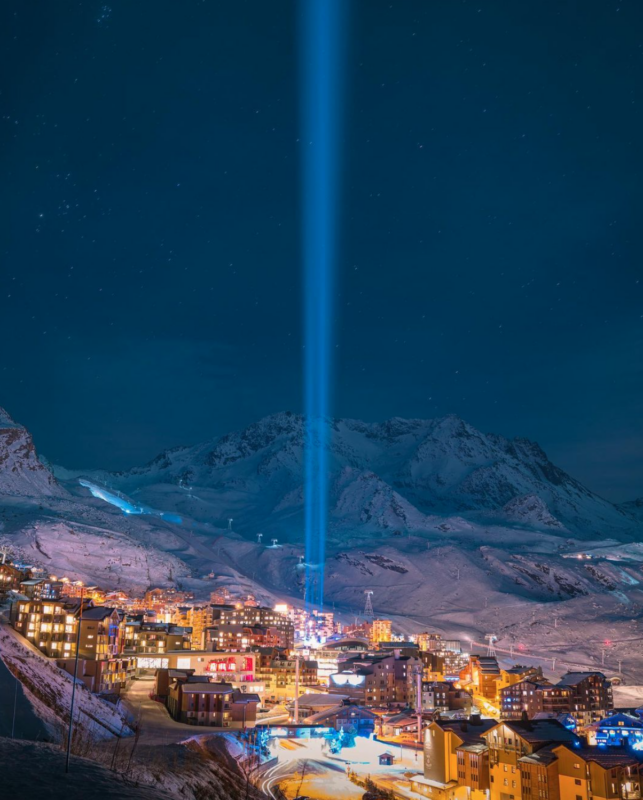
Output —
<point x="49" y="688"/>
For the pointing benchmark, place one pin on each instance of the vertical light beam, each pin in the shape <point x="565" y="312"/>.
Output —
<point x="321" y="43"/>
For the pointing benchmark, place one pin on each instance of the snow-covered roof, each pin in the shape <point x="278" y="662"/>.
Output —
<point x="97" y="612"/>
<point x="574" y="678"/>
<point x="321" y="700"/>
<point x="206" y="688"/>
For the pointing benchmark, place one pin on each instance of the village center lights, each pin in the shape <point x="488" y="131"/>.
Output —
<point x="321" y="49"/>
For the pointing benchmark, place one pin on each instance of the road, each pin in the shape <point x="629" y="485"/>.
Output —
<point x="325" y="775"/>
<point x="156" y="726"/>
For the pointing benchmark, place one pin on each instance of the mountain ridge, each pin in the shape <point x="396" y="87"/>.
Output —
<point x="431" y="468"/>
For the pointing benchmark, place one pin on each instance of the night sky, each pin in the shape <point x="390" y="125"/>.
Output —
<point x="490" y="256"/>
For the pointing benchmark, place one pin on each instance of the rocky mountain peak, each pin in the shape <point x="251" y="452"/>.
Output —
<point x="21" y="471"/>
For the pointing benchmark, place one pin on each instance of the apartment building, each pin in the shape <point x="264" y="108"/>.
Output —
<point x="532" y="697"/>
<point x="49" y="625"/>
<point x="455" y="752"/>
<point x="512" y="751"/>
<point x="229" y="617"/>
<point x="591" y="695"/>
<point x="196" y="701"/>
<point x="592" y="773"/>
<point x="378" y="680"/>
<point x="381" y="631"/>
<point x="154" y="638"/>
<point x="442" y="696"/>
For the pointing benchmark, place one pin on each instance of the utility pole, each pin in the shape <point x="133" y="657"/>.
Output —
<point x="73" y="688"/>
<point x="491" y="641"/>
<point x="368" y="606"/>
<point x="296" y="688"/>
<point x="259" y="538"/>
<point x="418" y="700"/>
<point x="15" y="704"/>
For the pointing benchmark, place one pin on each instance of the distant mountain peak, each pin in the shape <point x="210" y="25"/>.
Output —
<point x="6" y="420"/>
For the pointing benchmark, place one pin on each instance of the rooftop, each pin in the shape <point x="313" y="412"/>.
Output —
<point x="574" y="678"/>
<point x="540" y="730"/>
<point x="605" y="757"/>
<point x="321" y="700"/>
<point x="97" y="612"/>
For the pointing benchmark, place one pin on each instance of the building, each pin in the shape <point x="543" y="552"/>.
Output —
<point x="10" y="578"/>
<point x="237" y="669"/>
<point x="345" y="716"/>
<point x="481" y="676"/>
<point x="528" y="760"/>
<point x="32" y="588"/>
<point x="49" y="625"/>
<point x="381" y="630"/>
<point x="592" y="773"/>
<point x="378" y="680"/>
<point x="429" y="641"/>
<point x="55" y="627"/>
<point x="315" y="703"/>
<point x="229" y="617"/>
<point x="533" y="697"/>
<point x="454" y="752"/>
<point x="330" y="656"/>
<point x="520" y="758"/>
<point x="154" y="638"/>
<point x="278" y="675"/>
<point x="399" y="723"/>
<point x="99" y="633"/>
<point x="443" y="697"/>
<point x="197" y="701"/>
<point x="200" y="703"/>
<point x="310" y="626"/>
<point x="618" y="730"/>
<point x="102" y="676"/>
<point x="591" y="698"/>
<point x="197" y="619"/>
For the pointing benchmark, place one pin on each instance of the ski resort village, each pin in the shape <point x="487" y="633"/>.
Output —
<point x="316" y="703"/>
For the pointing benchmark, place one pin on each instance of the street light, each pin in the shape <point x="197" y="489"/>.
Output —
<point x="73" y="688"/>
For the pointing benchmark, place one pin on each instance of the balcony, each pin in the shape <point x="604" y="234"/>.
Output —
<point x="631" y="791"/>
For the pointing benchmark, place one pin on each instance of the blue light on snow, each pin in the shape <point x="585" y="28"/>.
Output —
<point x="321" y="50"/>
<point x="125" y="505"/>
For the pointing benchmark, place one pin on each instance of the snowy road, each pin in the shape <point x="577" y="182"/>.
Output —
<point x="156" y="725"/>
<point x="324" y="775"/>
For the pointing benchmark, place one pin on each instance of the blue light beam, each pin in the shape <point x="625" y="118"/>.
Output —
<point x="321" y="43"/>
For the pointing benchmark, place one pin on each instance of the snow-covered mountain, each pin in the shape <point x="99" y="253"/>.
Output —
<point x="21" y="473"/>
<point x="404" y="475"/>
